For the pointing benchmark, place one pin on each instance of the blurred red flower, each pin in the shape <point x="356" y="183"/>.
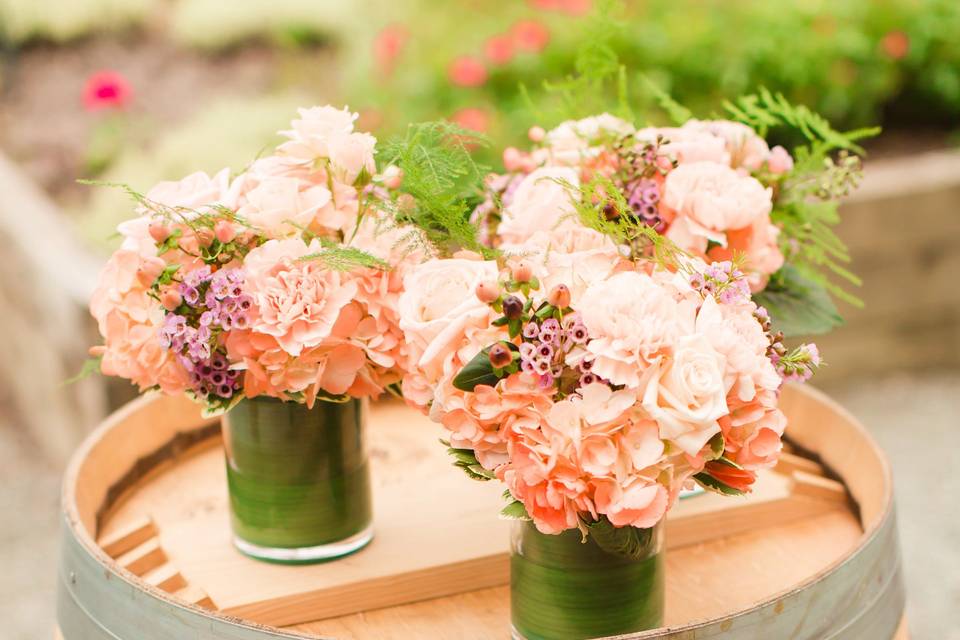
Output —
<point x="106" y="89"/>
<point x="499" y="49"/>
<point x="388" y="45"/>
<point x="896" y="44"/>
<point x="472" y="118"/>
<point x="467" y="71"/>
<point x="530" y="35"/>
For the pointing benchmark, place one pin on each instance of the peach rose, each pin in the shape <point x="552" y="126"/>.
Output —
<point x="714" y="197"/>
<point x="571" y="141"/>
<point x="746" y="148"/>
<point x="311" y="134"/>
<point x="351" y="155"/>
<point x="686" y="393"/>
<point x="685" y="145"/>
<point x="542" y="202"/>
<point x="629" y="319"/>
<point x="438" y="305"/>
<point x="283" y="206"/>
<point x="295" y="301"/>
<point x="185" y="199"/>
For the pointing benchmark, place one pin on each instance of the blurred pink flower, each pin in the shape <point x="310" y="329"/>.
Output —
<point x="472" y="118"/>
<point x="467" y="71"/>
<point x="530" y="35"/>
<point x="388" y="45"/>
<point x="499" y="49"/>
<point x="895" y="44"/>
<point x="106" y="89"/>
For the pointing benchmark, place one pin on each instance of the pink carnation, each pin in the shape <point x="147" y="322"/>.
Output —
<point x="297" y="301"/>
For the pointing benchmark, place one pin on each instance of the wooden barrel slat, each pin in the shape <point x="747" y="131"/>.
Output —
<point x="855" y="591"/>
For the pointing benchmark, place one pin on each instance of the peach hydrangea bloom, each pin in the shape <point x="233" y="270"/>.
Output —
<point x="129" y="321"/>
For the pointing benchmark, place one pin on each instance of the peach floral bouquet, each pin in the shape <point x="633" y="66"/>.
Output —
<point x="714" y="188"/>
<point x="283" y="281"/>
<point x="595" y="395"/>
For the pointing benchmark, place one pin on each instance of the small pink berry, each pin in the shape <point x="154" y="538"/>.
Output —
<point x="779" y="161"/>
<point x="159" y="231"/>
<point x="500" y="355"/>
<point x="522" y="271"/>
<point x="205" y="236"/>
<point x="392" y="177"/>
<point x="225" y="231"/>
<point x="171" y="299"/>
<point x="512" y="159"/>
<point x="149" y="271"/>
<point x="536" y="134"/>
<point x="559" y="296"/>
<point x="488" y="291"/>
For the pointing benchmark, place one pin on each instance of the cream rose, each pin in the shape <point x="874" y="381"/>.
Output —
<point x="629" y="319"/>
<point x="282" y="206"/>
<point x="313" y="131"/>
<point x="351" y="155"/>
<point x="716" y="197"/>
<point x="542" y="202"/>
<point x="570" y="141"/>
<point x="438" y="306"/>
<point x="686" y="394"/>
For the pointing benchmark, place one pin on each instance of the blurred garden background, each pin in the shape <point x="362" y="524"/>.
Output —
<point x="138" y="91"/>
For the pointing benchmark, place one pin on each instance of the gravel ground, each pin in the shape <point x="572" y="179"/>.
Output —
<point x="914" y="418"/>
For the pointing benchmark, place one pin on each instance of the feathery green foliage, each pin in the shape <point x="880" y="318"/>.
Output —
<point x="340" y="258"/>
<point x="443" y="180"/>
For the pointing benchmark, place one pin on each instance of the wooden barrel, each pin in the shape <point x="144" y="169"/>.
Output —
<point x="146" y="548"/>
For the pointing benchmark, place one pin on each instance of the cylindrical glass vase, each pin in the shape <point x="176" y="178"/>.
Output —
<point x="564" y="589"/>
<point x="298" y="478"/>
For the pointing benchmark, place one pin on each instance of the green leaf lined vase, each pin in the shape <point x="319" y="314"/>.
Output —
<point x="298" y="478"/>
<point x="562" y="588"/>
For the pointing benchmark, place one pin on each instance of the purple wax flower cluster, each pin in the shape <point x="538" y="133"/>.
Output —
<point x="728" y="284"/>
<point x="213" y="302"/>
<point x="545" y="345"/>
<point x="643" y="196"/>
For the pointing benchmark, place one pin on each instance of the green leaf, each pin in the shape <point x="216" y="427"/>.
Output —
<point x="515" y="511"/>
<point x="710" y="483"/>
<point x="476" y="372"/>
<point x="716" y="446"/>
<point x="798" y="305"/>
<point x="480" y="371"/>
<point x="629" y="542"/>
<point x="90" y="367"/>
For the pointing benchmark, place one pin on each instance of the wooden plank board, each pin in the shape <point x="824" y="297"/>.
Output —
<point x="414" y="558"/>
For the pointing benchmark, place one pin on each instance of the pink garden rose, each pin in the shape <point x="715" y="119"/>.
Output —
<point x="281" y="199"/>
<point x="746" y="148"/>
<point x="297" y="301"/>
<point x="714" y="197"/>
<point x="686" y="145"/>
<point x="542" y="202"/>
<point x="315" y="129"/>
<point x="438" y="305"/>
